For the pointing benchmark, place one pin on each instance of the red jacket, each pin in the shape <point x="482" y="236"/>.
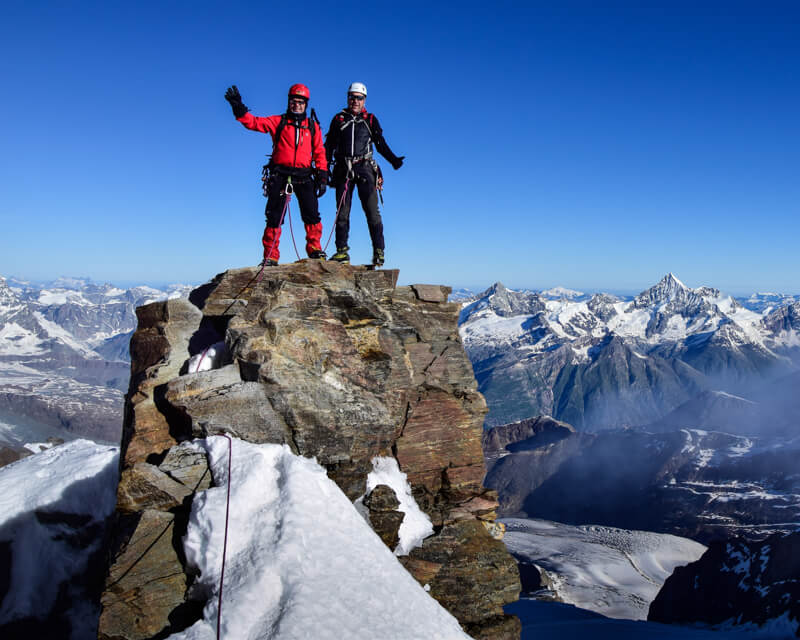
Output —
<point x="295" y="147"/>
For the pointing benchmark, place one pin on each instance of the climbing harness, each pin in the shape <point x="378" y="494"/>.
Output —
<point x="225" y="540"/>
<point x="269" y="169"/>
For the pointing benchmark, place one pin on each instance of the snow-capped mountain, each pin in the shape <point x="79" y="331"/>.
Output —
<point x="607" y="362"/>
<point x="690" y="482"/>
<point x="563" y="292"/>
<point x="64" y="356"/>
<point x="764" y="302"/>
<point x="753" y="585"/>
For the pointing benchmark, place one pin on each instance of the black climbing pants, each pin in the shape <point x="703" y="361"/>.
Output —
<point x="363" y="180"/>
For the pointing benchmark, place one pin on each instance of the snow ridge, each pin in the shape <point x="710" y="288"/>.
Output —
<point x="300" y="554"/>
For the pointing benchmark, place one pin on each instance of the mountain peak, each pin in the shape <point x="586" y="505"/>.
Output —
<point x="668" y="289"/>
<point x="670" y="281"/>
<point x="7" y="295"/>
<point x="562" y="292"/>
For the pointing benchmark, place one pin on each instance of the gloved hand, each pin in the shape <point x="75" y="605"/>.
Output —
<point x="322" y="183"/>
<point x="234" y="98"/>
<point x="397" y="162"/>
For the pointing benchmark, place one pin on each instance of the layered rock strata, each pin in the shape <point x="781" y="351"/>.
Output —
<point x="338" y="363"/>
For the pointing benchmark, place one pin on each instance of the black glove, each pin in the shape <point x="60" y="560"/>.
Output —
<point x="235" y="99"/>
<point x="322" y="182"/>
<point x="397" y="162"/>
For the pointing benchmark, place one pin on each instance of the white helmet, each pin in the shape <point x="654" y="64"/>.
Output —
<point x="358" y="87"/>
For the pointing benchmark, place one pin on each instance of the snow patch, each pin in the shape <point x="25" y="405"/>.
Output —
<point x="611" y="571"/>
<point x="79" y="478"/>
<point x="210" y="358"/>
<point x="416" y="525"/>
<point x="301" y="562"/>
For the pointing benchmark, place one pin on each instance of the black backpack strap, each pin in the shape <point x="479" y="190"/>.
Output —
<point x="313" y="121"/>
<point x="284" y="120"/>
<point x="281" y="126"/>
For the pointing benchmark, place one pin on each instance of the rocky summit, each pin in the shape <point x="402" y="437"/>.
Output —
<point x="339" y="363"/>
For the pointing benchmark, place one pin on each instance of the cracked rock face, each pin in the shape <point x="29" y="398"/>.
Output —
<point x="338" y="363"/>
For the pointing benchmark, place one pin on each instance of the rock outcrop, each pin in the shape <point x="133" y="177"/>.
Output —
<point x="522" y="456"/>
<point x="339" y="363"/>
<point x="738" y="583"/>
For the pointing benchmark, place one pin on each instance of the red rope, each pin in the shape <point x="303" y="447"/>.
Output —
<point x="272" y="246"/>
<point x="225" y="543"/>
<point x="291" y="230"/>
<point x="200" y="361"/>
<point x="338" y="209"/>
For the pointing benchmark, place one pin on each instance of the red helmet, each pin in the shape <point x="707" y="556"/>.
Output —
<point x="299" y="91"/>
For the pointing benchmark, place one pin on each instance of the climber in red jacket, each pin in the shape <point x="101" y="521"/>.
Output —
<point x="296" y="145"/>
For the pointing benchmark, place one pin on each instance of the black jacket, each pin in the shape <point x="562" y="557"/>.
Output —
<point x="352" y="136"/>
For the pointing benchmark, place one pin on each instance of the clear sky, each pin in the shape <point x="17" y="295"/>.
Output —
<point x="584" y="144"/>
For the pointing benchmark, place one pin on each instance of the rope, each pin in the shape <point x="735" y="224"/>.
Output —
<point x="257" y="278"/>
<point x="200" y="361"/>
<point x="291" y="231"/>
<point x="225" y="542"/>
<point x="280" y="224"/>
<point x="338" y="209"/>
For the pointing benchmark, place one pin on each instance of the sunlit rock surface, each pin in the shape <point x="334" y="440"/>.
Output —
<point x="336" y="362"/>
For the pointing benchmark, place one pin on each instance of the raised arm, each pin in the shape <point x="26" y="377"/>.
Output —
<point x="243" y="115"/>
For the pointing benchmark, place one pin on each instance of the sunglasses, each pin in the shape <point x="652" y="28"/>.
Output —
<point x="298" y="100"/>
<point x="356" y="98"/>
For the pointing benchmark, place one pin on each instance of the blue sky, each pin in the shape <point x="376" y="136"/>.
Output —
<point x="589" y="145"/>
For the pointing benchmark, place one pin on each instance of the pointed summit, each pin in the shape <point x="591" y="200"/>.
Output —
<point x="669" y="289"/>
<point x="8" y="298"/>
<point x="670" y="285"/>
<point x="673" y="280"/>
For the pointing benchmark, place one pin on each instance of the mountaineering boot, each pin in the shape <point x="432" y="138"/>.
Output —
<point x="268" y="262"/>
<point x="341" y="255"/>
<point x="313" y="236"/>
<point x="377" y="257"/>
<point x="271" y="241"/>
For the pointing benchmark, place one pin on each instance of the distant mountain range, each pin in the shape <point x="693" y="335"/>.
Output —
<point x="64" y="362"/>
<point x="602" y="362"/>
<point x="700" y="484"/>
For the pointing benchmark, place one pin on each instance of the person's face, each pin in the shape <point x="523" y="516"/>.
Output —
<point x="355" y="102"/>
<point x="297" y="105"/>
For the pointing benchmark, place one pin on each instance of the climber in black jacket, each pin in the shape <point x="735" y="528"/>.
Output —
<point x="349" y="146"/>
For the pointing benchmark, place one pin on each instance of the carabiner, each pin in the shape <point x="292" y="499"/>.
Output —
<point x="289" y="188"/>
